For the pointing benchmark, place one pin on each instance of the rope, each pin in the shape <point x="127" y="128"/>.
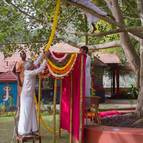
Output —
<point x="54" y="111"/>
<point x="40" y="118"/>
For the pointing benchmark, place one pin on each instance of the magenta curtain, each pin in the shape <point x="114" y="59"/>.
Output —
<point x="65" y="100"/>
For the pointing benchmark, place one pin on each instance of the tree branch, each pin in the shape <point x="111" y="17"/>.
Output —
<point x="25" y="13"/>
<point x="24" y="42"/>
<point x="112" y="44"/>
<point x="77" y="45"/>
<point x="105" y="18"/>
<point x="91" y="11"/>
<point x="130" y="29"/>
<point x="92" y="47"/>
<point x="135" y="37"/>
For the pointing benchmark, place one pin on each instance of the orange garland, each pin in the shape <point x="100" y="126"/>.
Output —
<point x="65" y="69"/>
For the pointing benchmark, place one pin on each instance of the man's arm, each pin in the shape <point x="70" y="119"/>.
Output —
<point x="39" y="59"/>
<point x="38" y="70"/>
<point x="19" y="79"/>
<point x="18" y="71"/>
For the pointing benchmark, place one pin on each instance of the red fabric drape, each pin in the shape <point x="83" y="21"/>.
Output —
<point x="65" y="100"/>
<point x="59" y="55"/>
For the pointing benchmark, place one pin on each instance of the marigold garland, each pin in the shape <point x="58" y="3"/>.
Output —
<point x="60" y="64"/>
<point x="62" y="71"/>
<point x="55" y="23"/>
<point x="71" y="60"/>
<point x="55" y="75"/>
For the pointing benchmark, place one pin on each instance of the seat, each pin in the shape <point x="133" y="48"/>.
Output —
<point x="91" y="109"/>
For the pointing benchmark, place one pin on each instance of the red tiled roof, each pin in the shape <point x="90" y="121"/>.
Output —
<point x="8" y="76"/>
<point x="98" y="62"/>
<point x="6" y="66"/>
<point x="14" y="57"/>
<point x="8" y="63"/>
<point x="63" y="48"/>
<point x="1" y="56"/>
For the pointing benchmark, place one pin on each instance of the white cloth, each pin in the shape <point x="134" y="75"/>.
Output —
<point x="91" y="18"/>
<point x="88" y="75"/>
<point x="27" y="118"/>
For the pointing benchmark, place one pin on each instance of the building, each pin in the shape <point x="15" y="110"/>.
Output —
<point x="8" y="91"/>
<point x="117" y="78"/>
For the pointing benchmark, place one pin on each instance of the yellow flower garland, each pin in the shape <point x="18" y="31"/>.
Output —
<point x="73" y="56"/>
<point x="55" y="23"/>
<point x="65" y="69"/>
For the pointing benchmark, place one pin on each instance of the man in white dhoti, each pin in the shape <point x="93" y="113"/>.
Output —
<point x="84" y="49"/>
<point x="27" y="119"/>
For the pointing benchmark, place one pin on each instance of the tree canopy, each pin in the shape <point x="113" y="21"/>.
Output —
<point x="29" y="22"/>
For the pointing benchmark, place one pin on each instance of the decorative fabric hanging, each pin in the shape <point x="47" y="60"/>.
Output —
<point x="58" y="71"/>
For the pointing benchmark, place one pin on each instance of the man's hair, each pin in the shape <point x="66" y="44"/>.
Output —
<point x="22" y="53"/>
<point x="85" y="48"/>
<point x="28" y="64"/>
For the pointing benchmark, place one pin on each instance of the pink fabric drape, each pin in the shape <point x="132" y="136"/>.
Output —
<point x="65" y="100"/>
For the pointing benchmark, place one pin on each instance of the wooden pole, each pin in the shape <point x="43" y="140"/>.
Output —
<point x="54" y="111"/>
<point x="71" y="111"/>
<point x="117" y="81"/>
<point x="39" y="101"/>
<point x="60" y="108"/>
<point x="113" y="90"/>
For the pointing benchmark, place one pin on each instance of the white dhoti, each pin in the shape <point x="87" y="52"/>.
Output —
<point x="27" y="120"/>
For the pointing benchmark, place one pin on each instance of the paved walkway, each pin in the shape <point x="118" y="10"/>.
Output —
<point x="118" y="105"/>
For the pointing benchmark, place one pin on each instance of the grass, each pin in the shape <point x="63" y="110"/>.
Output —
<point x="7" y="128"/>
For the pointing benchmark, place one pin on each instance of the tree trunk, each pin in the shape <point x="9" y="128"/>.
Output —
<point x="139" y="108"/>
<point x="130" y="52"/>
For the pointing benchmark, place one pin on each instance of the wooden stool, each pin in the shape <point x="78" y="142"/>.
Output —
<point x="32" y="137"/>
<point x="22" y="138"/>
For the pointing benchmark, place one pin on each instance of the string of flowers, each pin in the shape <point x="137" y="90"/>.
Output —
<point x="55" y="23"/>
<point x="57" y="58"/>
<point x="60" y="72"/>
<point x="60" y="64"/>
<point x="64" y="68"/>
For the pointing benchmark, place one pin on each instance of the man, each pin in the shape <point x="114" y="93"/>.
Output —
<point x="27" y="118"/>
<point x="20" y="76"/>
<point x="20" y="68"/>
<point x="84" y="50"/>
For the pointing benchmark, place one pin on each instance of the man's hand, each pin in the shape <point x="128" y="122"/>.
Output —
<point x="20" y="83"/>
<point x="19" y="80"/>
<point x="46" y="54"/>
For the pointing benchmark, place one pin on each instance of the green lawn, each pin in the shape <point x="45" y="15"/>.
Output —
<point x="7" y="128"/>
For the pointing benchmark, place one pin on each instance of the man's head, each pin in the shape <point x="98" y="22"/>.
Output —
<point x="84" y="49"/>
<point x="29" y="65"/>
<point x="23" y="55"/>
